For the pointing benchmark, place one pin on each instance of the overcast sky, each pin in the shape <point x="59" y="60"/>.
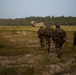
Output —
<point x="27" y="8"/>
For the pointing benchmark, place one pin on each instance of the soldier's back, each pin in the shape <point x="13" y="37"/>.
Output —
<point x="58" y="35"/>
<point x="41" y="32"/>
<point x="48" y="31"/>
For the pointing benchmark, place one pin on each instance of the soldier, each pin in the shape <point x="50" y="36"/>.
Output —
<point x="74" y="39"/>
<point x="41" y="36"/>
<point x="58" y="37"/>
<point x="47" y="34"/>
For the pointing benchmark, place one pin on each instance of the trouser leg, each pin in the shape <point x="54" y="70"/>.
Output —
<point x="58" y="50"/>
<point x="48" y="47"/>
<point x="48" y="42"/>
<point x="59" y="53"/>
<point x="41" y="42"/>
<point x="73" y="45"/>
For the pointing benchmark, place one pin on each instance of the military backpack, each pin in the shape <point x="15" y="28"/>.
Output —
<point x="41" y="32"/>
<point x="48" y="32"/>
<point x="59" y="33"/>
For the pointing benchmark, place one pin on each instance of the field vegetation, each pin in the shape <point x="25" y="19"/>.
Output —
<point x="20" y="53"/>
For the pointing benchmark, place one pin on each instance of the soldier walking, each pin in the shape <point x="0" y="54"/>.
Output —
<point x="41" y="36"/>
<point x="74" y="39"/>
<point x="48" y="34"/>
<point x="59" y="38"/>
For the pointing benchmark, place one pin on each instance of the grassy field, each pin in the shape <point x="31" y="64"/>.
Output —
<point x="20" y="53"/>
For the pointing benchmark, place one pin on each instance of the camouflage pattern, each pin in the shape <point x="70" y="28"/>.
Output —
<point x="48" y="31"/>
<point x="48" y="41"/>
<point x="48" y="34"/>
<point x="41" y="36"/>
<point x="59" y="38"/>
<point x="74" y="39"/>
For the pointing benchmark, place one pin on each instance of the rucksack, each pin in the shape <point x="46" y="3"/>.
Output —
<point x="48" y="32"/>
<point x="40" y="32"/>
<point x="60" y="33"/>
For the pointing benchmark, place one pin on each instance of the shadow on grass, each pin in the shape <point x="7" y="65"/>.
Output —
<point x="15" y="51"/>
<point x="2" y="46"/>
<point x="8" y="71"/>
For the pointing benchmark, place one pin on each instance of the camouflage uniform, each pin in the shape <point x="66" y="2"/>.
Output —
<point x="47" y="34"/>
<point x="41" y="36"/>
<point x="58" y="37"/>
<point x="74" y="39"/>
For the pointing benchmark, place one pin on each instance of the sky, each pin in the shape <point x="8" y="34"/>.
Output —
<point x="28" y="8"/>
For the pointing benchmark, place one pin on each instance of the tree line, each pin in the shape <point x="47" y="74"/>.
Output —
<point x="47" y="21"/>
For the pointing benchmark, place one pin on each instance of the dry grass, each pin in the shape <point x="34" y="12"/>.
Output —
<point x="21" y="54"/>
